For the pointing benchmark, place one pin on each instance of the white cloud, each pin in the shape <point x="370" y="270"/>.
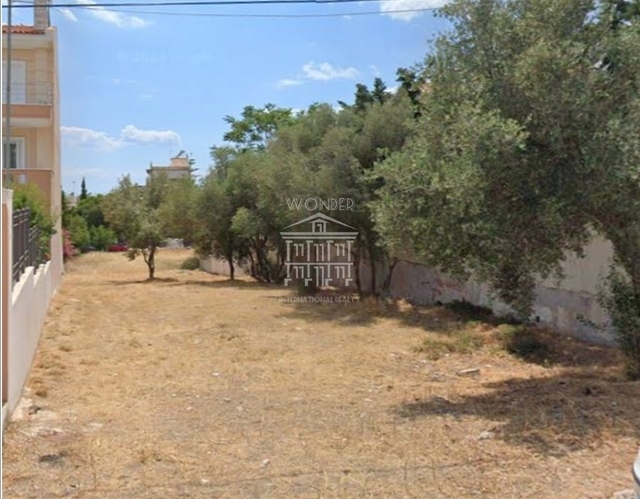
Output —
<point x="86" y="137"/>
<point x="389" y="6"/>
<point x="288" y="82"/>
<point x="325" y="71"/>
<point x="116" y="18"/>
<point x="129" y="135"/>
<point x="68" y="15"/>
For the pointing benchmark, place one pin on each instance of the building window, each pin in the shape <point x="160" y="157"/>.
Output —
<point x="18" y="82"/>
<point x="16" y="154"/>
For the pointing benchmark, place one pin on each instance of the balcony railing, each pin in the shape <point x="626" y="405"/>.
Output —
<point x="36" y="93"/>
<point x="26" y="244"/>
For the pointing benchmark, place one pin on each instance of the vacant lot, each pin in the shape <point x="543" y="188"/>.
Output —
<point x="194" y="386"/>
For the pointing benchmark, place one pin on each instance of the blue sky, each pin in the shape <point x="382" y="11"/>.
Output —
<point x="138" y="87"/>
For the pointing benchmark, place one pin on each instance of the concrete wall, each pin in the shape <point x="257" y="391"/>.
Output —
<point x="219" y="267"/>
<point x="570" y="305"/>
<point x="24" y="309"/>
<point x="29" y="304"/>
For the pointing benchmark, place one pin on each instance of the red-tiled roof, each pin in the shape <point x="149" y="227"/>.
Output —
<point x="22" y="29"/>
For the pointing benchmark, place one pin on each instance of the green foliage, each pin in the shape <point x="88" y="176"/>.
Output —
<point x="85" y="223"/>
<point x="524" y="146"/>
<point x="131" y="211"/>
<point x="30" y="196"/>
<point x="191" y="263"/>
<point x="242" y="206"/>
<point x="256" y="126"/>
<point x="79" y="232"/>
<point x="90" y="208"/>
<point x="622" y="302"/>
<point x="522" y="341"/>
<point x="84" y="194"/>
<point x="177" y="210"/>
<point x="101" y="237"/>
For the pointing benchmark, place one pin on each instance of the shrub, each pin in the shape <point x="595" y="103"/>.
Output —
<point x="68" y="249"/>
<point x="101" y="237"/>
<point x="523" y="342"/>
<point x="79" y="232"/>
<point x="191" y="263"/>
<point x="622" y="303"/>
<point x="30" y="196"/>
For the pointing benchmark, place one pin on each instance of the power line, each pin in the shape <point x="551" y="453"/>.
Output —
<point x="30" y="3"/>
<point x="212" y="14"/>
<point x="192" y="3"/>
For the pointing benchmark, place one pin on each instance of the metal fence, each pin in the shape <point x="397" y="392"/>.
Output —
<point x="26" y="243"/>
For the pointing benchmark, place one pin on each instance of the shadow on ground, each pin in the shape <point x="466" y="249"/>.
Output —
<point x="461" y="328"/>
<point x="551" y="415"/>
<point x="155" y="280"/>
<point x="227" y="283"/>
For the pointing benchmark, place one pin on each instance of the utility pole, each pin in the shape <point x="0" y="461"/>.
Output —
<point x="7" y="129"/>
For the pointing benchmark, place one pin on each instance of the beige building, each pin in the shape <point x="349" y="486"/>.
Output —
<point x="179" y="167"/>
<point x="31" y="116"/>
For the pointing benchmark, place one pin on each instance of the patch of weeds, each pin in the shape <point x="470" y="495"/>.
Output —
<point x="469" y="312"/>
<point x="477" y="315"/>
<point x="303" y="289"/>
<point x="462" y="342"/>
<point x="191" y="263"/>
<point x="523" y="342"/>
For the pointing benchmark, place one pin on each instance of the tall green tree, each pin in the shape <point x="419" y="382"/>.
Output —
<point x="83" y="189"/>
<point x="256" y="126"/>
<point x="526" y="145"/>
<point x="177" y="209"/>
<point x="132" y="212"/>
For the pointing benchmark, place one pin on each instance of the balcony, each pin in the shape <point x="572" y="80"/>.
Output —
<point x="41" y="178"/>
<point x="29" y="101"/>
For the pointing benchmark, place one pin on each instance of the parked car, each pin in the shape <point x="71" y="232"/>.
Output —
<point x="636" y="476"/>
<point x="118" y="247"/>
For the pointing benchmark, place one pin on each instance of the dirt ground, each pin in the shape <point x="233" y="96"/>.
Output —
<point x="194" y="386"/>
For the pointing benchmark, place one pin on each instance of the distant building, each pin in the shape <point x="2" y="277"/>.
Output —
<point x="72" y="200"/>
<point x="180" y="167"/>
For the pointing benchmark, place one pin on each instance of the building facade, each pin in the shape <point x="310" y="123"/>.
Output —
<point x="179" y="167"/>
<point x="31" y="122"/>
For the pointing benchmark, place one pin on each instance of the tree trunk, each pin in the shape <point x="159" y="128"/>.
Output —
<point x="252" y="265"/>
<point x="150" y="260"/>
<point x="231" y="268"/>
<point x="386" y="285"/>
<point x="356" y="266"/>
<point x="372" y="266"/>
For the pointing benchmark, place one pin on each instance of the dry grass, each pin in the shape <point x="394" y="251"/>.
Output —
<point x="194" y="386"/>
